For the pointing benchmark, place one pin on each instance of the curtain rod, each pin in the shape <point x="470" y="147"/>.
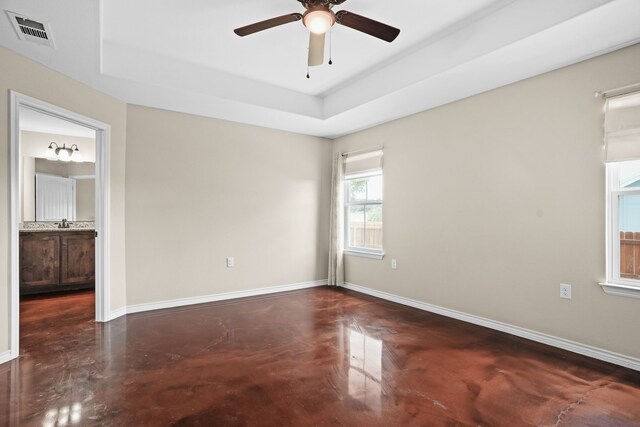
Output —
<point x="623" y="90"/>
<point x="363" y="150"/>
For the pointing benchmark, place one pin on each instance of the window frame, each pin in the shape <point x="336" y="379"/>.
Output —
<point x="615" y="284"/>
<point x="357" y="250"/>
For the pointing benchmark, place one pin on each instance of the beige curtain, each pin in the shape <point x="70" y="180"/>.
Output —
<point x="336" y="224"/>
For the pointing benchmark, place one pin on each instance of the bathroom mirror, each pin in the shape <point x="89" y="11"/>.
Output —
<point x="62" y="155"/>
<point x="57" y="190"/>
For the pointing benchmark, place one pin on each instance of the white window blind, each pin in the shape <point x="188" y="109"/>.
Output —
<point x="622" y="128"/>
<point x="363" y="162"/>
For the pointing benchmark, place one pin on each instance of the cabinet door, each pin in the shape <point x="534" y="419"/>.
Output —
<point x="39" y="260"/>
<point x="78" y="258"/>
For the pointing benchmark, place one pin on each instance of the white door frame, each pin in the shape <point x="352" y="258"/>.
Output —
<point x="102" y="282"/>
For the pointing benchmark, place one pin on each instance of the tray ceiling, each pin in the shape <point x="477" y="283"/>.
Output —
<point x="184" y="56"/>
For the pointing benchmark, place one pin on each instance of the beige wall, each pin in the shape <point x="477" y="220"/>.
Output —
<point x="199" y="190"/>
<point x="27" y="77"/>
<point x="493" y="201"/>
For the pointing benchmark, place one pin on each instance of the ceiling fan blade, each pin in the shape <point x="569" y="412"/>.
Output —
<point x="269" y="23"/>
<point x="367" y="26"/>
<point x="316" y="49"/>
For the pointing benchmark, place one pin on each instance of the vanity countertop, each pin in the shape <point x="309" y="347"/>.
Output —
<point x="50" y="226"/>
<point x="54" y="229"/>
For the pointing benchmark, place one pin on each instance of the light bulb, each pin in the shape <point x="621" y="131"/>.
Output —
<point x="51" y="153"/>
<point x="319" y="21"/>
<point x="63" y="155"/>
<point x="76" y="156"/>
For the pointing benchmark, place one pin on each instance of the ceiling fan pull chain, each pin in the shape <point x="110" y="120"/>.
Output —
<point x="308" y="71"/>
<point x="330" y="38"/>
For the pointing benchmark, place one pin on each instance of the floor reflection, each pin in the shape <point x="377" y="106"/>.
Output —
<point x="9" y="393"/>
<point x="261" y="361"/>
<point x="63" y="416"/>
<point x="365" y="369"/>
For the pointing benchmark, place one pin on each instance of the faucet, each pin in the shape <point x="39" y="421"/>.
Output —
<point x="63" y="224"/>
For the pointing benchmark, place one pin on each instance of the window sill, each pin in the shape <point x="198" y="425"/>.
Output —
<point x="372" y="255"/>
<point x="621" y="290"/>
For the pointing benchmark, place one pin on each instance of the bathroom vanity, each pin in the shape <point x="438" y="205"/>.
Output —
<point x="54" y="260"/>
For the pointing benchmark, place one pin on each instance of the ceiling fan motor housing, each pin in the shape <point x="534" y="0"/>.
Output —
<point x="320" y="3"/>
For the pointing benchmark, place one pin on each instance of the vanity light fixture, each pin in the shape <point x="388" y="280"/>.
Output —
<point x="64" y="154"/>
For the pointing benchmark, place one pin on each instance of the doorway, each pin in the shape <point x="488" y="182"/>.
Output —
<point x="19" y="104"/>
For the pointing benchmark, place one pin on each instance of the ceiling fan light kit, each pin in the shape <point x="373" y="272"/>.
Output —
<point x="318" y="19"/>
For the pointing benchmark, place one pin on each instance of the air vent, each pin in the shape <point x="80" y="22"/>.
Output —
<point x="31" y="30"/>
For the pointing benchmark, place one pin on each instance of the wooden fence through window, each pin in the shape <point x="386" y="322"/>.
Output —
<point x="630" y="255"/>
<point x="371" y="237"/>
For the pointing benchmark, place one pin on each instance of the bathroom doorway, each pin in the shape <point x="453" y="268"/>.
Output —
<point x="59" y="204"/>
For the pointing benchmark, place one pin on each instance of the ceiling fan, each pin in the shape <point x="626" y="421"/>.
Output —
<point x="319" y="18"/>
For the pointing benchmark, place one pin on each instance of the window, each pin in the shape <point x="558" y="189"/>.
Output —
<point x="624" y="223"/>
<point x="622" y="157"/>
<point x="363" y="214"/>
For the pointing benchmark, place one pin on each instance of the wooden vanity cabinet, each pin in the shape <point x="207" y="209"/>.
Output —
<point x="39" y="260"/>
<point x="56" y="260"/>
<point x="77" y="258"/>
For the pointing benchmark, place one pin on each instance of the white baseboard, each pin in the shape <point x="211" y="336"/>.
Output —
<point x="5" y="356"/>
<point x="118" y="312"/>
<point x="586" y="350"/>
<point x="137" y="308"/>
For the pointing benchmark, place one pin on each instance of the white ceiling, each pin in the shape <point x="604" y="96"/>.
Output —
<point x="202" y="34"/>
<point x="184" y="56"/>
<point x="34" y="121"/>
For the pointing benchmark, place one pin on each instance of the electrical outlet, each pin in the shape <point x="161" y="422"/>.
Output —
<point x="394" y="264"/>
<point x="230" y="262"/>
<point x="565" y="291"/>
